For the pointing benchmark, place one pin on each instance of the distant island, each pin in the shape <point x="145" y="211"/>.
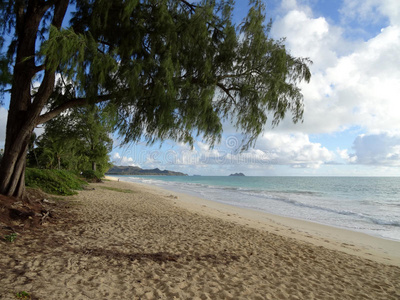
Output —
<point x="129" y="170"/>
<point x="237" y="174"/>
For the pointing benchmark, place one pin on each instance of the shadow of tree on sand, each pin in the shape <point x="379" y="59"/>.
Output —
<point x="162" y="257"/>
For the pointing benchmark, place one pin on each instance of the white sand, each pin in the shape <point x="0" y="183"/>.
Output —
<point x="154" y="244"/>
<point x="356" y="243"/>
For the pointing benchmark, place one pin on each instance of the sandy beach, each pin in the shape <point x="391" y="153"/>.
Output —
<point x="121" y="240"/>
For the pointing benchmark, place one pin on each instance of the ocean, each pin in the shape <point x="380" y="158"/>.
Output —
<point x="366" y="204"/>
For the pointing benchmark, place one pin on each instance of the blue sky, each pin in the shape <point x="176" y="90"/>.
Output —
<point x="351" y="123"/>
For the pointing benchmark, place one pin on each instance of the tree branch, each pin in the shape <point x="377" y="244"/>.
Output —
<point x="190" y="5"/>
<point x="227" y="91"/>
<point x="39" y="68"/>
<point x="66" y="105"/>
<point x="59" y="12"/>
<point x="47" y="85"/>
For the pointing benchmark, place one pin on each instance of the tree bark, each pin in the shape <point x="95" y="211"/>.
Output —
<point x="12" y="169"/>
<point x="24" y="109"/>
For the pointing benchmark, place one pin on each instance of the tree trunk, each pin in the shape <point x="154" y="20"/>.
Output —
<point x="94" y="166"/>
<point x="12" y="168"/>
<point x="24" y="108"/>
<point x="37" y="161"/>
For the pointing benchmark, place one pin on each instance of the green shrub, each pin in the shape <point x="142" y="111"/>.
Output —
<point x="92" y="175"/>
<point x="59" y="182"/>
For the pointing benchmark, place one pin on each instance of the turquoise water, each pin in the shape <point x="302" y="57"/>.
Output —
<point x="366" y="204"/>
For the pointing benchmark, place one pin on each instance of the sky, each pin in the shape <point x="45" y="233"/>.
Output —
<point x="351" y="121"/>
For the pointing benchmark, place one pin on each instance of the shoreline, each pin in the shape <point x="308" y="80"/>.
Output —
<point x="351" y="242"/>
<point x="122" y="240"/>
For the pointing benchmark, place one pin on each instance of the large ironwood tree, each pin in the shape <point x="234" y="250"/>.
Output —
<point x="169" y="69"/>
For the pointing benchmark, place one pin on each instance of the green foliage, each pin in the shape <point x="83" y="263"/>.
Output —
<point x="117" y="189"/>
<point x="23" y="295"/>
<point x="5" y="77"/>
<point x="166" y="70"/>
<point x="92" y="175"/>
<point x="59" y="182"/>
<point x="75" y="141"/>
<point x="10" y="237"/>
<point x="180" y="69"/>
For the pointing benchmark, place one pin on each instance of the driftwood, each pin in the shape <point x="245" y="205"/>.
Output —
<point x="44" y="217"/>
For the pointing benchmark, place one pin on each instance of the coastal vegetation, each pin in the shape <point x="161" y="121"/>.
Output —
<point x="78" y="141"/>
<point x="72" y="150"/>
<point x="166" y="70"/>
<point x="126" y="191"/>
<point x="58" y="182"/>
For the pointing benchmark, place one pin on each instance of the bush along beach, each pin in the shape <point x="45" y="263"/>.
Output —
<point x="58" y="182"/>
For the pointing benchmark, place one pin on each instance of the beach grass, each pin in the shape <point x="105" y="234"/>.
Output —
<point x="127" y="191"/>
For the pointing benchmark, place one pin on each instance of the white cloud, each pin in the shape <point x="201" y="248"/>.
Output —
<point x="303" y="34"/>
<point x="354" y="83"/>
<point x="123" y="160"/>
<point x="289" y="5"/>
<point x="203" y="146"/>
<point x="377" y="149"/>
<point x="272" y="149"/>
<point x="367" y="84"/>
<point x="344" y="154"/>
<point x="371" y="10"/>
<point x="295" y="150"/>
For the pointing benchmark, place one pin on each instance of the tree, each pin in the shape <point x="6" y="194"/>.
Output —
<point x="92" y="130"/>
<point x="32" y="155"/>
<point x="77" y="140"/>
<point x="167" y="69"/>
